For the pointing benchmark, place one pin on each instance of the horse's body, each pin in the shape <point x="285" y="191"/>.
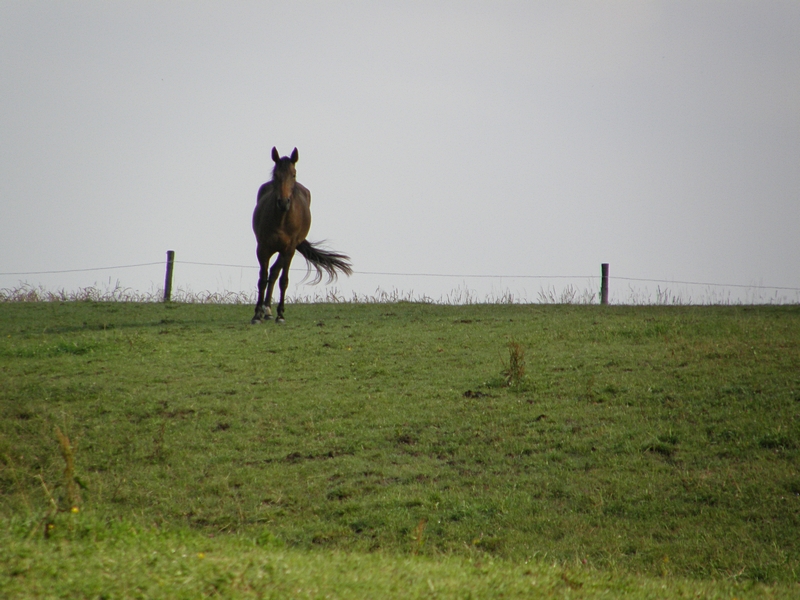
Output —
<point x="281" y="221"/>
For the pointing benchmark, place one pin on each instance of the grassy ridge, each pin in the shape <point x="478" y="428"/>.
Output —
<point x="649" y="440"/>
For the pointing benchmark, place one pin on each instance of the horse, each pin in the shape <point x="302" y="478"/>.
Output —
<point x="281" y="221"/>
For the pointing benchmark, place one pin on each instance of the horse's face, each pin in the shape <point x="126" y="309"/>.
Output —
<point x="284" y="175"/>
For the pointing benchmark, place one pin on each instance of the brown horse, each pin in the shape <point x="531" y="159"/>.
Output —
<point x="281" y="222"/>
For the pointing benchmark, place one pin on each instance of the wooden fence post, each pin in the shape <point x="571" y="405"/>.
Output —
<point x="168" y="278"/>
<point x="604" y="284"/>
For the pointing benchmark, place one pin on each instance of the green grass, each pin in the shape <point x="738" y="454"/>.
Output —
<point x="121" y="561"/>
<point x="637" y="447"/>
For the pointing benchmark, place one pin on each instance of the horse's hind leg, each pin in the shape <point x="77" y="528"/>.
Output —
<point x="263" y="311"/>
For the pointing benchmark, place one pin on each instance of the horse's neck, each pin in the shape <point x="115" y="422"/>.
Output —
<point x="265" y="189"/>
<point x="302" y="191"/>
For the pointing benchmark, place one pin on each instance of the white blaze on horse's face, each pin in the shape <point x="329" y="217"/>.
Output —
<point x="285" y="174"/>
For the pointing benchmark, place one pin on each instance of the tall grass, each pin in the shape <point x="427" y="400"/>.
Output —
<point x="118" y="293"/>
<point x="460" y="296"/>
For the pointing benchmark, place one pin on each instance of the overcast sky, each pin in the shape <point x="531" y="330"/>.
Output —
<point x="455" y="138"/>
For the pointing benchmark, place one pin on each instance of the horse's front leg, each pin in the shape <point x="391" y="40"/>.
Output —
<point x="284" y="283"/>
<point x="273" y="277"/>
<point x="261" y="311"/>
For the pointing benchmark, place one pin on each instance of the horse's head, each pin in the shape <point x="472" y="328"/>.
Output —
<point x="284" y="175"/>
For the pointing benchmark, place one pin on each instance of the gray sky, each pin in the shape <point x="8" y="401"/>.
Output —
<point x="462" y="138"/>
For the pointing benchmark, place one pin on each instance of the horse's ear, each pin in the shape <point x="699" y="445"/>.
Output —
<point x="275" y="156"/>
<point x="294" y="155"/>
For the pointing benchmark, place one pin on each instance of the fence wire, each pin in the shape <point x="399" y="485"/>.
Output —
<point x="437" y="275"/>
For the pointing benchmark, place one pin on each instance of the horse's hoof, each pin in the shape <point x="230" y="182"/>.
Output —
<point x="268" y="318"/>
<point x="280" y="321"/>
<point x="255" y="321"/>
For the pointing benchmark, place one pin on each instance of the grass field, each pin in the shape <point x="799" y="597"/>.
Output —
<point x="409" y="450"/>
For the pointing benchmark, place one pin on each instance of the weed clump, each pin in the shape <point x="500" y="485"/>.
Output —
<point x="514" y="373"/>
<point x="70" y="483"/>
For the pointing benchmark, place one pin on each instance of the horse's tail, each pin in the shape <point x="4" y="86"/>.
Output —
<point x="325" y="260"/>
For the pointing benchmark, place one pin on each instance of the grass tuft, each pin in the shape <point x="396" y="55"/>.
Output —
<point x="514" y="373"/>
<point x="68" y="454"/>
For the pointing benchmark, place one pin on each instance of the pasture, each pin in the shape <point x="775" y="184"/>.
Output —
<point x="404" y="449"/>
